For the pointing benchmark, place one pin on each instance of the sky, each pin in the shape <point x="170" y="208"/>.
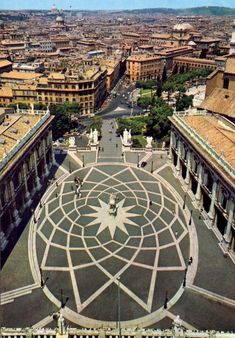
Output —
<point x="110" y="4"/>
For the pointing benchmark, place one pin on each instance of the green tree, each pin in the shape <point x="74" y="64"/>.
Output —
<point x="183" y="102"/>
<point x="21" y="105"/>
<point x="96" y="123"/>
<point x="164" y="74"/>
<point x="144" y="102"/>
<point x="62" y="122"/>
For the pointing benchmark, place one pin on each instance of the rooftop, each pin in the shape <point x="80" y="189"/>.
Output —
<point x="5" y="63"/>
<point x="212" y="135"/>
<point x="16" y="130"/>
<point x="220" y="101"/>
<point x="20" y="75"/>
<point x="217" y="132"/>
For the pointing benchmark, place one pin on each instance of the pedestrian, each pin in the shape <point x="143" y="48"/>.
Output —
<point x="191" y="259"/>
<point x="176" y="234"/>
<point x="57" y="184"/>
<point x="116" y="145"/>
<point x="150" y="203"/>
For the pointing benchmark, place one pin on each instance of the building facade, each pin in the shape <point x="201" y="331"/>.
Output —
<point x="26" y="157"/>
<point x="143" y="67"/>
<point x="202" y="154"/>
<point x="185" y="64"/>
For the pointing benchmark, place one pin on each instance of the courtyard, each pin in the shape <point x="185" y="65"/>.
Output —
<point x="75" y="256"/>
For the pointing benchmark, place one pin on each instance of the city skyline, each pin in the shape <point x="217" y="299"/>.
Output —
<point x="103" y="5"/>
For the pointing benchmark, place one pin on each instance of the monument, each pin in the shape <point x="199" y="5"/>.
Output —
<point x="113" y="205"/>
<point x="93" y="139"/>
<point x="149" y="140"/>
<point x="72" y="141"/>
<point x="126" y="139"/>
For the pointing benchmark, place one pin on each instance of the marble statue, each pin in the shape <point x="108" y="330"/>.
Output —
<point x="129" y="136"/>
<point x="91" y="136"/>
<point x="61" y="324"/>
<point x="149" y="140"/>
<point x="125" y="136"/>
<point x="32" y="108"/>
<point x="113" y="205"/>
<point x="72" y="141"/>
<point x="95" y="136"/>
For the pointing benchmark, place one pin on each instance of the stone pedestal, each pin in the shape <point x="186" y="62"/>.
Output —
<point x="94" y="146"/>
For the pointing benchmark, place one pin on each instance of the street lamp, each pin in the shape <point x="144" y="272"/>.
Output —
<point x="190" y="219"/>
<point x="119" y="309"/>
<point x="166" y="300"/>
<point x="83" y="162"/>
<point x="185" y="273"/>
<point x="184" y="201"/>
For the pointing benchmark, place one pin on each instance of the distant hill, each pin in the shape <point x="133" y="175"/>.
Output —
<point x="206" y="10"/>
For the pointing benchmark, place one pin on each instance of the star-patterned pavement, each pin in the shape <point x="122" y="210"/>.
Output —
<point x="94" y="253"/>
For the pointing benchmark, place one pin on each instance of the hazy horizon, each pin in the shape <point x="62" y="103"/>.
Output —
<point x="111" y="5"/>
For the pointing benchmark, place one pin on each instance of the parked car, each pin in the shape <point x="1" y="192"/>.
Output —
<point x="143" y="164"/>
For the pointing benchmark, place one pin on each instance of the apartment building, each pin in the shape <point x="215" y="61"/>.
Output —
<point x="143" y="67"/>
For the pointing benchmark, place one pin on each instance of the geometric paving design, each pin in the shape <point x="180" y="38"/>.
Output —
<point x="94" y="256"/>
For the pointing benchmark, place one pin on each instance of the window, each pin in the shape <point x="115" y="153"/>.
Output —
<point x="226" y="83"/>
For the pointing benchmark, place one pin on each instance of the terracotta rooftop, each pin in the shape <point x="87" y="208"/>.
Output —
<point x="20" y="75"/>
<point x="190" y="59"/>
<point x="13" y="129"/>
<point x="217" y="132"/>
<point x="5" y="63"/>
<point x="221" y="101"/>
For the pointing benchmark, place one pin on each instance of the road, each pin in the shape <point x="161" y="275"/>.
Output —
<point x="121" y="104"/>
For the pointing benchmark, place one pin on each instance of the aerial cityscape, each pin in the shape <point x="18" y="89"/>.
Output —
<point x="117" y="169"/>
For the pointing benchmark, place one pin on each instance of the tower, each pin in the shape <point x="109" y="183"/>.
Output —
<point x="232" y="42"/>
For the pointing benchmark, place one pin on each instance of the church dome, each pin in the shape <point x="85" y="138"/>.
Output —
<point x="59" y="19"/>
<point x="185" y="26"/>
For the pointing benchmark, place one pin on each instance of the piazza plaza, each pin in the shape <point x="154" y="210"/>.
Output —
<point x="104" y="240"/>
<point x="156" y="258"/>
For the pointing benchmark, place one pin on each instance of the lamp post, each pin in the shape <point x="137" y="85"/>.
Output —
<point x="119" y="309"/>
<point x="138" y="160"/>
<point x="184" y="280"/>
<point x="166" y="300"/>
<point x="184" y="201"/>
<point x="40" y="204"/>
<point x="83" y="162"/>
<point x="151" y="167"/>
<point x="190" y="219"/>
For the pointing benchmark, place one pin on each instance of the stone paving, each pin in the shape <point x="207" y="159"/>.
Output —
<point x="78" y="255"/>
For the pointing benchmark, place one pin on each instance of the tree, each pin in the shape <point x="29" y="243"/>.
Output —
<point x="144" y="102"/>
<point x="159" y="88"/>
<point x="62" y="122"/>
<point x="164" y="74"/>
<point x="96" y="123"/>
<point x="21" y="105"/>
<point x="40" y="106"/>
<point x="183" y="102"/>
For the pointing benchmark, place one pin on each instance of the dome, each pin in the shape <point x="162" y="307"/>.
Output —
<point x="185" y="26"/>
<point x="192" y="43"/>
<point x="59" y="19"/>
